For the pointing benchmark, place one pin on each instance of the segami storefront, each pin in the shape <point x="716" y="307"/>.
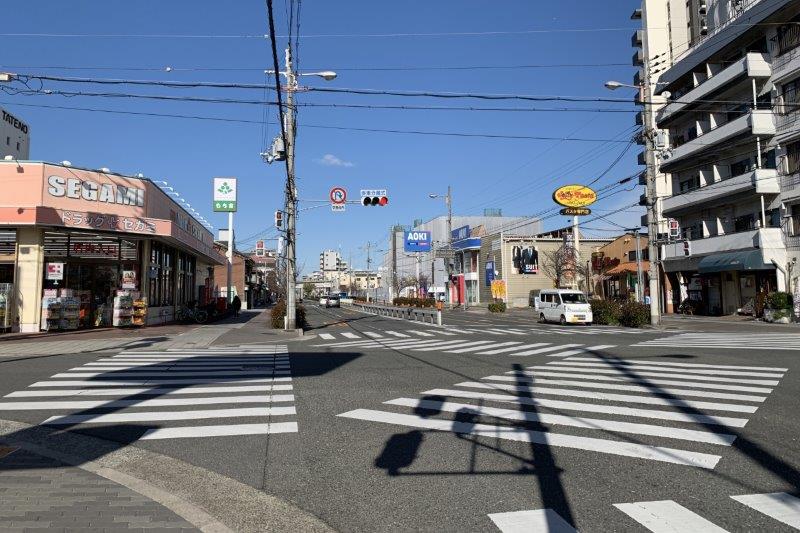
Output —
<point x="83" y="248"/>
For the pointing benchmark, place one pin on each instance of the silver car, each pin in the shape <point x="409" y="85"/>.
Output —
<point x="332" y="301"/>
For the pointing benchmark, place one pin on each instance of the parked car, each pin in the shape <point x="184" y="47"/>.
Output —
<point x="564" y="306"/>
<point x="332" y="301"/>
<point x="323" y="300"/>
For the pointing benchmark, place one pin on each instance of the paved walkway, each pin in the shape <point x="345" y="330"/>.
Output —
<point x="42" y="494"/>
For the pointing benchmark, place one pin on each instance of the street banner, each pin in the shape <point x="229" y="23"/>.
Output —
<point x="225" y="194"/>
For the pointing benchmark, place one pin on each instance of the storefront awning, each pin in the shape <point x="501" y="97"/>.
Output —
<point x="680" y="264"/>
<point x="728" y="261"/>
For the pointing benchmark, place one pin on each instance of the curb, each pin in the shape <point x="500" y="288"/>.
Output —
<point x="210" y="501"/>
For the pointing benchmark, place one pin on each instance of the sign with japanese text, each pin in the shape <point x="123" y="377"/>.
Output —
<point x="99" y="221"/>
<point x="225" y="194"/>
<point x="129" y="279"/>
<point x="55" y="271"/>
<point x="574" y="196"/>
<point x="373" y="192"/>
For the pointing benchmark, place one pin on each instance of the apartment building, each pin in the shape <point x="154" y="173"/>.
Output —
<point x="722" y="78"/>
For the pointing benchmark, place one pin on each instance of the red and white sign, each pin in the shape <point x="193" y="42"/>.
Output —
<point x="55" y="271"/>
<point x="338" y="196"/>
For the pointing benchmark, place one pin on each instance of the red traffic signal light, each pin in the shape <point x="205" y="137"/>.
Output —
<point x="369" y="201"/>
<point x="278" y="219"/>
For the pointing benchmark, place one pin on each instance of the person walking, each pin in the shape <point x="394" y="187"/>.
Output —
<point x="237" y="305"/>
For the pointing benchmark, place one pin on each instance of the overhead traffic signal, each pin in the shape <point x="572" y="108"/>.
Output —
<point x="279" y="219"/>
<point x="687" y="248"/>
<point x="369" y="201"/>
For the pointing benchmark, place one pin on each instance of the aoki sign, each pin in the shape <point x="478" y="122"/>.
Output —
<point x="108" y="193"/>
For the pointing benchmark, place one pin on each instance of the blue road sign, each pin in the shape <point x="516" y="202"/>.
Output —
<point x="417" y="241"/>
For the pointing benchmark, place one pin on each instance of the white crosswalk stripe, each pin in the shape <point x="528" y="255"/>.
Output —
<point x="664" y="516"/>
<point x="373" y="334"/>
<point x="395" y="334"/>
<point x="421" y="333"/>
<point x="350" y="335"/>
<point x="169" y="391"/>
<point x="685" y="403"/>
<point x="741" y="341"/>
<point x="326" y="336"/>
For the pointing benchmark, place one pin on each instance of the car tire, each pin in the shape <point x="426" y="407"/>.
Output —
<point x="563" y="320"/>
<point x="542" y="319"/>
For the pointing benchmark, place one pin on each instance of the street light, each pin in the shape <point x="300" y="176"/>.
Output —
<point x="448" y="199"/>
<point x="614" y="85"/>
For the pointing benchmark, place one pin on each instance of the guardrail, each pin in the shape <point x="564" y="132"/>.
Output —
<point x="414" y="314"/>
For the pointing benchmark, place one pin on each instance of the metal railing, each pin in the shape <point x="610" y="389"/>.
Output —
<point x="414" y="314"/>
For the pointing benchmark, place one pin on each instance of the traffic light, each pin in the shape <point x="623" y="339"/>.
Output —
<point x="687" y="248"/>
<point x="369" y="201"/>
<point x="279" y="219"/>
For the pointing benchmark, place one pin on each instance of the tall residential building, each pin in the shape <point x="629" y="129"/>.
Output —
<point x="725" y="145"/>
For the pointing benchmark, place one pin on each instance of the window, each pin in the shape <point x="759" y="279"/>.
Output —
<point x="793" y="157"/>
<point x="768" y="159"/>
<point x="741" y="167"/>
<point x="573" y="298"/>
<point x="789" y="36"/>
<point x="796" y="220"/>
<point x="744" y="223"/>
<point x="690" y="184"/>
<point x="790" y="97"/>
<point x="774" y="218"/>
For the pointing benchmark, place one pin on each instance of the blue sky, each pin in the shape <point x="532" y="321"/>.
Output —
<point x="515" y="175"/>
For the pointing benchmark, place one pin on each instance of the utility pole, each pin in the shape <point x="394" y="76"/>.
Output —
<point x="639" y="276"/>
<point x="576" y="244"/>
<point x="653" y="206"/>
<point x="291" y="195"/>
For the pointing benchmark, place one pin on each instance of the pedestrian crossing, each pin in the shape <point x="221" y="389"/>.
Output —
<point x="681" y="413"/>
<point x="488" y="346"/>
<point x="485" y="332"/>
<point x="729" y="340"/>
<point x="665" y="516"/>
<point x="174" y="394"/>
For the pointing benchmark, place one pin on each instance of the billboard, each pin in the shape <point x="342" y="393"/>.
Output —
<point x="574" y="196"/>
<point x="417" y="241"/>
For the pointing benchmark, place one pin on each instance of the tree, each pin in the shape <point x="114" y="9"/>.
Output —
<point x="402" y="283"/>
<point x="308" y="289"/>
<point x="559" y="264"/>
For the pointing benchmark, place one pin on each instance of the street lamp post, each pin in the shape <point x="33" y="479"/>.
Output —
<point x="448" y="199"/>
<point x="653" y="211"/>
<point x="288" y="118"/>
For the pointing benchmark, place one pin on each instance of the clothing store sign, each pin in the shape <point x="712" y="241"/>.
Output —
<point x="525" y="259"/>
<point x="489" y="273"/>
<point x="417" y="241"/>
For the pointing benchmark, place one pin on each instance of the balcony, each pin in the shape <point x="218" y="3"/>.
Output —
<point x="785" y="65"/>
<point x="753" y="65"/>
<point x="757" y="122"/>
<point x="636" y="38"/>
<point x="638" y="59"/>
<point x="762" y="181"/>
<point x="790" y="187"/>
<point x="764" y="238"/>
<point x="787" y="124"/>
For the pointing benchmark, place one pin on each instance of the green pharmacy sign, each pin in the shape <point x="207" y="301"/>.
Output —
<point x="225" y="194"/>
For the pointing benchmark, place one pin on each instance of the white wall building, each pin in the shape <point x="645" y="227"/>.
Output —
<point x="728" y="151"/>
<point x="14" y="136"/>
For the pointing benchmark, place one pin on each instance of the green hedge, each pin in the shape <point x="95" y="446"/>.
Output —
<point x="606" y="312"/>
<point x="634" y="315"/>
<point x="414" y="302"/>
<point x="779" y="300"/>
<point x="279" y="312"/>
<point x="499" y="307"/>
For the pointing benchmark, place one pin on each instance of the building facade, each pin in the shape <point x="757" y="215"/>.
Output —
<point x="722" y="78"/>
<point x="616" y="272"/>
<point x="93" y="236"/>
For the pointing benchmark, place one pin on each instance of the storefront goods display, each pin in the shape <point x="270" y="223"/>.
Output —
<point x="70" y="313"/>
<point x="140" y="311"/>
<point x="51" y="313"/>
<point x="123" y="310"/>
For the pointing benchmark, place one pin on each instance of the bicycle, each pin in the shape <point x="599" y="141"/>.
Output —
<point x="189" y="314"/>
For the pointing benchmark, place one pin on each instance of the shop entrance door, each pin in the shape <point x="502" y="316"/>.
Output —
<point x="94" y="286"/>
<point x="730" y="294"/>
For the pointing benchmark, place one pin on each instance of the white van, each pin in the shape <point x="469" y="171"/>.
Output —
<point x="564" y="306"/>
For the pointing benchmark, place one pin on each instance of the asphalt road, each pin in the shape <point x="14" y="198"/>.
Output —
<point x="468" y="433"/>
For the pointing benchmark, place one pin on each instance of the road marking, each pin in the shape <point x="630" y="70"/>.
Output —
<point x="450" y="344"/>
<point x="193" y="360"/>
<point x="503" y="350"/>
<point x="626" y="379"/>
<point x="350" y="335"/>
<point x="561" y="420"/>
<point x="627" y="398"/>
<point x="626" y="449"/>
<point x="115" y="369"/>
<point x="620" y="372"/>
<point x="396" y="334"/>
<point x="172" y="373"/>
<point x="384" y="344"/>
<point x="145" y="392"/>
<point x="94" y="404"/>
<point x="459" y="330"/>
<point x="162" y="416"/>
<point x="700" y="371"/>
<point x="326" y="336"/>
<point x="505" y="331"/>
<point x="778" y="505"/>
<point x="632" y="388"/>
<point x="220" y="431"/>
<point x="141" y="382"/>
<point x="667" y="517"/>
<point x="594" y="408"/>
<point x="421" y="333"/>
<point x="539" y="520"/>
<point x="476" y="348"/>
<point x="445" y="333"/>
<point x="582" y="350"/>
<point x="373" y="335"/>
<point x="545" y="350"/>
<point x="638" y="362"/>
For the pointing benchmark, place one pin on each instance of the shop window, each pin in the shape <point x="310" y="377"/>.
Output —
<point x="744" y="223"/>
